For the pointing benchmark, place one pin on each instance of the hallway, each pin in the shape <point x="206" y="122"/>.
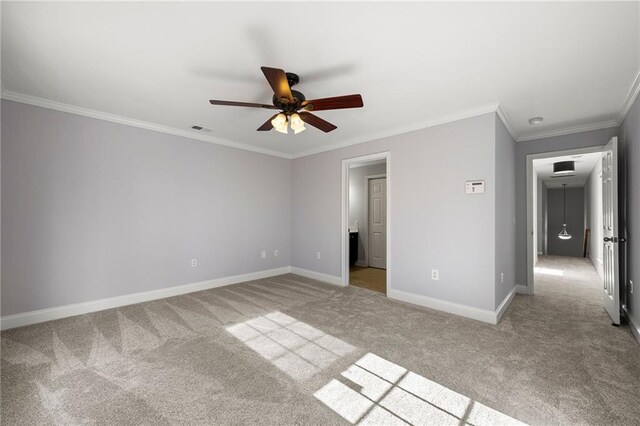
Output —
<point x="576" y="353"/>
<point x="556" y="275"/>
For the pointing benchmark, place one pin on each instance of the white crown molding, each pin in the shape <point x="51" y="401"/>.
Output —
<point x="632" y="96"/>
<point x="569" y="130"/>
<point x="432" y="122"/>
<point x="506" y="121"/>
<point x="99" y="115"/>
<point x="634" y="90"/>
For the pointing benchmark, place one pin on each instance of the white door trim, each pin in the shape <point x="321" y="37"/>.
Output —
<point x="344" y="231"/>
<point x="366" y="214"/>
<point x="530" y="213"/>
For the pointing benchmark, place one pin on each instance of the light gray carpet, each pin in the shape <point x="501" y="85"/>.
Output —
<point x="290" y="350"/>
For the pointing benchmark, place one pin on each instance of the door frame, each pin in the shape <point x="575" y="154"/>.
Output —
<point x="366" y="211"/>
<point x="344" y="223"/>
<point x="529" y="285"/>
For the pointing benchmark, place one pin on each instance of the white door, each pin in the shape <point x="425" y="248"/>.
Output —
<point x="610" y="252"/>
<point x="378" y="223"/>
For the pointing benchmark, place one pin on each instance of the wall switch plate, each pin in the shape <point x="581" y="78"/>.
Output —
<point x="194" y="263"/>
<point x="276" y="253"/>
<point x="263" y="254"/>
<point x="631" y="286"/>
<point x="435" y="274"/>
<point x="317" y="255"/>
<point x="502" y="277"/>
<point x="474" y="187"/>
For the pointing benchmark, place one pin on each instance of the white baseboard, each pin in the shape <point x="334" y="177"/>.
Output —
<point x="442" y="305"/>
<point x="42" y="315"/>
<point x="361" y="263"/>
<point x="634" y="325"/>
<point x="522" y="289"/>
<point x="484" y="315"/>
<point x="501" y="309"/>
<point x="330" y="279"/>
<point x="598" y="265"/>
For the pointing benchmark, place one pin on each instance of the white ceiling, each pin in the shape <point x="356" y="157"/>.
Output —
<point x="414" y="63"/>
<point x="584" y="164"/>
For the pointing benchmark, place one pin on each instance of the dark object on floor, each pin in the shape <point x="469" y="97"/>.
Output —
<point x="353" y="248"/>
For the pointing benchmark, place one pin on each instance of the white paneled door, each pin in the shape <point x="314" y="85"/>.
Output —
<point x="378" y="223"/>
<point x="611" y="285"/>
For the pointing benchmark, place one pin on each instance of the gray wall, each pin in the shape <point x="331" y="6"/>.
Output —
<point x="93" y="209"/>
<point x="575" y="222"/>
<point x="505" y="221"/>
<point x="433" y="223"/>
<point x="542" y="217"/>
<point x="630" y="136"/>
<point x="557" y="143"/>
<point x="593" y="210"/>
<point x="358" y="198"/>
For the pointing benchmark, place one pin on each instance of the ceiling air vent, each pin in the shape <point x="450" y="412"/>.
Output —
<point x="200" y="128"/>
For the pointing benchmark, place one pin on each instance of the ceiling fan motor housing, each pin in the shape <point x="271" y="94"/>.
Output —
<point x="290" y="107"/>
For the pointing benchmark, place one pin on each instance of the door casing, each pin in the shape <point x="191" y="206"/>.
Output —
<point x="529" y="285"/>
<point x="344" y="225"/>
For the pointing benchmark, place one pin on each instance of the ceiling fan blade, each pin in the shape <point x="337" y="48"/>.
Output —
<point x="240" y="104"/>
<point x="316" y="121"/>
<point x="278" y="81"/>
<point x="267" y="124"/>
<point x="338" y="102"/>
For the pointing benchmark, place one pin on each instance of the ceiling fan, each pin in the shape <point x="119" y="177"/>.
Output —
<point x="294" y="107"/>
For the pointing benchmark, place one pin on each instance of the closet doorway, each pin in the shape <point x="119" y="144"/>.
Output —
<point x="367" y="224"/>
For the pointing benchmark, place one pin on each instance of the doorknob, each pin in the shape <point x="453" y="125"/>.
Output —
<point x="610" y="239"/>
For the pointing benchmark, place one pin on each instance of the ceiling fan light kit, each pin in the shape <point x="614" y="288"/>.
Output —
<point x="294" y="107"/>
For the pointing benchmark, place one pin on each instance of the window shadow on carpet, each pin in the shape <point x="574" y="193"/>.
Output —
<point x="390" y="394"/>
<point x="296" y="348"/>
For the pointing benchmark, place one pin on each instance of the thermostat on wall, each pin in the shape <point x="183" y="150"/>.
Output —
<point x="474" y="187"/>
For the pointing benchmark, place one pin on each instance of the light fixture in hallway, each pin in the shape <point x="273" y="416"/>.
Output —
<point x="564" y="235"/>
<point x="564" y="167"/>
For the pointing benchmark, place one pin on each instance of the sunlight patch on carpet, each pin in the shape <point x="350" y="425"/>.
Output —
<point x="298" y="349"/>
<point x="549" y="271"/>
<point x="390" y="394"/>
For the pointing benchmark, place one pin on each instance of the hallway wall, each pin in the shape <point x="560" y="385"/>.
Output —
<point x="593" y="213"/>
<point x="630" y="137"/>
<point x="574" y="221"/>
<point x="541" y="222"/>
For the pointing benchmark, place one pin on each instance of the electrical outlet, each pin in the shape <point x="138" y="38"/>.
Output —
<point x="263" y="254"/>
<point x="435" y="274"/>
<point x="631" y="286"/>
<point x="276" y="253"/>
<point x="502" y="277"/>
<point x="317" y="255"/>
<point x="194" y="263"/>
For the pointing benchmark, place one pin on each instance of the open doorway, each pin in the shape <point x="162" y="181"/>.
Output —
<point x="572" y="214"/>
<point x="366" y="219"/>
